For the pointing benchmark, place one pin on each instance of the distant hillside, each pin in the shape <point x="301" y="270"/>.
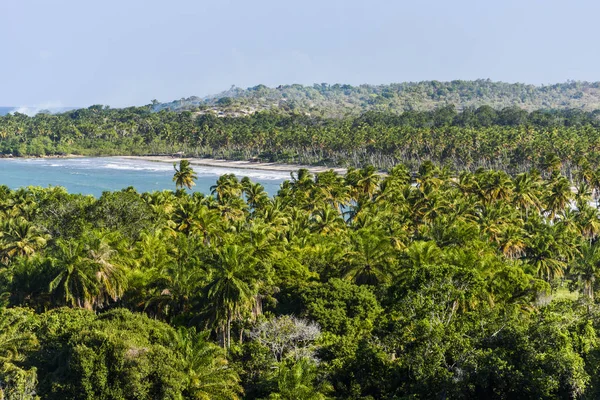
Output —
<point x="338" y="100"/>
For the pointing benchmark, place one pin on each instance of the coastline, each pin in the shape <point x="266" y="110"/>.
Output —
<point x="211" y="162"/>
<point x="10" y="156"/>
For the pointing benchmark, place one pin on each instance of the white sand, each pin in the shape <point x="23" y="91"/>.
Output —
<point x="210" y="162"/>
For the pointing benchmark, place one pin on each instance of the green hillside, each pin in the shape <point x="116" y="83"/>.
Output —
<point x="338" y="100"/>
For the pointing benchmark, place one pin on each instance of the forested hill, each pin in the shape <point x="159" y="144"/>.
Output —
<point x="338" y="100"/>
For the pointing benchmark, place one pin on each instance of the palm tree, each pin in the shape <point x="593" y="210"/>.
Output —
<point x="185" y="175"/>
<point x="232" y="287"/>
<point x="208" y="374"/>
<point x="371" y="259"/>
<point x="191" y="217"/>
<point x="74" y="281"/>
<point x="18" y="237"/>
<point x="368" y="181"/>
<point x="296" y="381"/>
<point x="512" y="241"/>
<point x="178" y="281"/>
<point x="588" y="222"/>
<point x="496" y="185"/>
<point x="546" y="255"/>
<point x="332" y="189"/>
<point x="226" y="188"/>
<point x="86" y="275"/>
<point x="586" y="268"/>
<point x="256" y="197"/>
<point x="583" y="195"/>
<point x="422" y="253"/>
<point x="558" y="196"/>
<point x="327" y="221"/>
<point x="526" y="192"/>
<point x="15" y="339"/>
<point x="551" y="163"/>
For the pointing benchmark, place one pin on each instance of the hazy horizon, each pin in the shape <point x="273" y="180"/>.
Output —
<point x="68" y="53"/>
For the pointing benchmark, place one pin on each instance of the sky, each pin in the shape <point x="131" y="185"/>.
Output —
<point x="129" y="52"/>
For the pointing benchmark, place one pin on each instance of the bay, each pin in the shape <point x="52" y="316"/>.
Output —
<point x="94" y="175"/>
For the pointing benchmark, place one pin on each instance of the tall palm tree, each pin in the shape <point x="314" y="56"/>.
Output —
<point x="232" y="287"/>
<point x="588" y="222"/>
<point x="551" y="163"/>
<point x="559" y="195"/>
<point x="587" y="268"/>
<point x="512" y="241"/>
<point x="526" y="192"/>
<point x="178" y="281"/>
<point x="583" y="195"/>
<point x="185" y="175"/>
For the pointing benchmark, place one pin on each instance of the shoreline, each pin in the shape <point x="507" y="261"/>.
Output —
<point x="212" y="162"/>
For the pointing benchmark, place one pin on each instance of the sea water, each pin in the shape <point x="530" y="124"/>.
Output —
<point x="94" y="175"/>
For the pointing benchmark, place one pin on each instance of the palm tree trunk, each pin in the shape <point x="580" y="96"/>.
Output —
<point x="228" y="331"/>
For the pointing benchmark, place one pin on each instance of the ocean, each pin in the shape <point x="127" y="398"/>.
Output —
<point x="94" y="175"/>
<point x="5" y="110"/>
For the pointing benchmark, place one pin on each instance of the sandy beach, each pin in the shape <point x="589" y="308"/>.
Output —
<point x="211" y="162"/>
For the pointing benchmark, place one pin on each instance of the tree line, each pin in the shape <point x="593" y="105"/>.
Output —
<point x="429" y="285"/>
<point x="336" y="100"/>
<point x="510" y="139"/>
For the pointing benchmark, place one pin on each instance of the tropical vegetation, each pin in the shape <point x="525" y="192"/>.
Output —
<point x="424" y="284"/>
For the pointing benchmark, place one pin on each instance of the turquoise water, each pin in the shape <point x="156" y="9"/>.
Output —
<point x="95" y="175"/>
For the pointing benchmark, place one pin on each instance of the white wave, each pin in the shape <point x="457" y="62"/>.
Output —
<point x="136" y="167"/>
<point x="52" y="106"/>
<point x="239" y="172"/>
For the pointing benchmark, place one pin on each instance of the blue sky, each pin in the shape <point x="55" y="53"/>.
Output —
<point x="128" y="52"/>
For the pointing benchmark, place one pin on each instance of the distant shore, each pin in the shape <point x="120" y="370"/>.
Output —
<point x="211" y="162"/>
<point x="45" y="156"/>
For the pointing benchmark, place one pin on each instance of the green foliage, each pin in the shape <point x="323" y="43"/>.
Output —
<point x="297" y="380"/>
<point x="184" y="175"/>
<point x="406" y="285"/>
<point x="341" y="308"/>
<point x="336" y="130"/>
<point x="427" y="95"/>
<point x="121" y="355"/>
<point x="16" y="342"/>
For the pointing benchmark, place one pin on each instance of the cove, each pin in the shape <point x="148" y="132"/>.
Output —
<point x="94" y="175"/>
